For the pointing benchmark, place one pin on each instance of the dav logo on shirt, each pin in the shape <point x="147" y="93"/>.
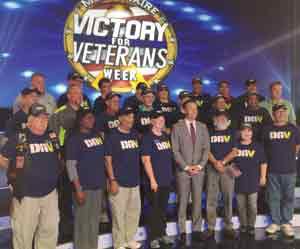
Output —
<point x="163" y="145"/>
<point x="41" y="148"/>
<point x="145" y="121"/>
<point x="93" y="142"/>
<point x="246" y="153"/>
<point x="275" y="135"/>
<point x="129" y="144"/>
<point x="253" y="119"/>
<point x="113" y="124"/>
<point x="220" y="139"/>
<point x="167" y="109"/>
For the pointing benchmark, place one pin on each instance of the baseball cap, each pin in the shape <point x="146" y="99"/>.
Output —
<point x="219" y="96"/>
<point x="184" y="94"/>
<point x="250" y="82"/>
<point x="74" y="76"/>
<point x="27" y="91"/>
<point x="111" y="95"/>
<point x="196" y="81"/>
<point x="141" y="86"/>
<point x="246" y="126"/>
<point x="156" y="114"/>
<point x="125" y="111"/>
<point x="220" y="113"/>
<point x="38" y="109"/>
<point x="278" y="107"/>
<point x="252" y="94"/>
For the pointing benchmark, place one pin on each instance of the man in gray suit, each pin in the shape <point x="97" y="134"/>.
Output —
<point x="190" y="141"/>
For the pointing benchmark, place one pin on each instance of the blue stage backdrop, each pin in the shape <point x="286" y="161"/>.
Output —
<point x="232" y="40"/>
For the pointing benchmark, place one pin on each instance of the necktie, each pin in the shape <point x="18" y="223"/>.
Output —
<point x="193" y="133"/>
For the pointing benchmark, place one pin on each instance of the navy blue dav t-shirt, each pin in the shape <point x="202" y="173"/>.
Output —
<point x="160" y="152"/>
<point x="40" y="177"/>
<point x="221" y="142"/>
<point x="88" y="151"/>
<point x="142" y="121"/>
<point x="125" y="152"/>
<point x="106" y="123"/>
<point x="280" y="146"/>
<point x="249" y="160"/>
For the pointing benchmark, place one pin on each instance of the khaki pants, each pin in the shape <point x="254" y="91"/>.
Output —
<point x="247" y="206"/>
<point x="35" y="218"/>
<point x="125" y="209"/>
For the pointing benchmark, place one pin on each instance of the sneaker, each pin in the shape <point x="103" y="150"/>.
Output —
<point x="272" y="229"/>
<point x="166" y="240"/>
<point x="207" y="235"/>
<point x="154" y="244"/>
<point x="134" y="245"/>
<point x="288" y="230"/>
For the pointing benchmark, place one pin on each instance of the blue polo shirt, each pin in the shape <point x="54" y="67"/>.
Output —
<point x="221" y="142"/>
<point x="249" y="160"/>
<point x="280" y="146"/>
<point x="41" y="176"/>
<point x="124" y="149"/>
<point x="88" y="151"/>
<point x="160" y="151"/>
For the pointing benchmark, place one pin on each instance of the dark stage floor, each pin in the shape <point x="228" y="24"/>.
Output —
<point x="245" y="242"/>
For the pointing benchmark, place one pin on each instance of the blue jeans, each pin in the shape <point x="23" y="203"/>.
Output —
<point x="281" y="196"/>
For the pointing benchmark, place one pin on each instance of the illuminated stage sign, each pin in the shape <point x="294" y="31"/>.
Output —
<point x="127" y="41"/>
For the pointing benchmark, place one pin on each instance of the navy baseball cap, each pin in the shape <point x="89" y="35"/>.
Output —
<point x="141" y="86"/>
<point x="278" y="107"/>
<point x="246" y="126"/>
<point x="220" y="113"/>
<point x="156" y="114"/>
<point x="27" y="91"/>
<point x="162" y="87"/>
<point x="125" y="111"/>
<point x="184" y="94"/>
<point x="37" y="109"/>
<point x="196" y="81"/>
<point x="147" y="91"/>
<point x="250" y="82"/>
<point x="74" y="76"/>
<point x="112" y="95"/>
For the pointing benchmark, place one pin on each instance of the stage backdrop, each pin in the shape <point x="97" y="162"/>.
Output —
<point x="232" y="40"/>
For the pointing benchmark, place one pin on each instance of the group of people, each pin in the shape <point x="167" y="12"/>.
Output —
<point x="115" y="157"/>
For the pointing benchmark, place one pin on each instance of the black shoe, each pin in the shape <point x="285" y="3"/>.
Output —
<point x="251" y="231"/>
<point x="207" y="235"/>
<point x="229" y="233"/>
<point x="182" y="239"/>
<point x="243" y="229"/>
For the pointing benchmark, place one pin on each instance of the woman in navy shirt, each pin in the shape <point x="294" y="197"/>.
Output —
<point x="157" y="160"/>
<point x="251" y="162"/>
<point x="86" y="170"/>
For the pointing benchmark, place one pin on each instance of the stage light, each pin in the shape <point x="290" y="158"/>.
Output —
<point x="217" y="27"/>
<point x="5" y="55"/>
<point x="27" y="73"/>
<point x="221" y="68"/>
<point x="12" y="5"/>
<point x="60" y="88"/>
<point x="169" y="3"/>
<point x="206" y="82"/>
<point x="189" y="9"/>
<point x="204" y="17"/>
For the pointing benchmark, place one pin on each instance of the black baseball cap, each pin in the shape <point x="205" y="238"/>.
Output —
<point x="125" y="111"/>
<point x="141" y="86"/>
<point x="162" y="87"/>
<point x="74" y="76"/>
<point x="37" y="109"/>
<point x="27" y="91"/>
<point x="278" y="107"/>
<point x="253" y="94"/>
<point x="246" y="126"/>
<point x="112" y="95"/>
<point x="147" y="91"/>
<point x="184" y="94"/>
<point x="250" y="82"/>
<point x="156" y="114"/>
<point x="196" y="80"/>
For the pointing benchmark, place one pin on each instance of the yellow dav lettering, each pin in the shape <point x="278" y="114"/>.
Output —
<point x="246" y="153"/>
<point x="276" y="135"/>
<point x="220" y="139"/>
<point x="41" y="148"/>
<point x="129" y="144"/>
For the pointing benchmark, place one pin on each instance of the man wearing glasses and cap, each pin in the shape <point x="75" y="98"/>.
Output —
<point x="32" y="159"/>
<point x="74" y="78"/>
<point x="166" y="105"/>
<point x="136" y="100"/>
<point x="282" y="143"/>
